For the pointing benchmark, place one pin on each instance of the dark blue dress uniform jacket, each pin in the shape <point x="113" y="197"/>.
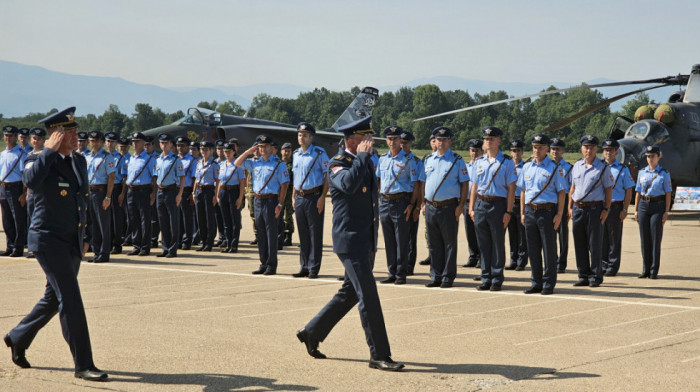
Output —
<point x="354" y="195"/>
<point x="60" y="214"/>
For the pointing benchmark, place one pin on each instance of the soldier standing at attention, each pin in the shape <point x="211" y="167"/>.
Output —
<point x="155" y="224"/>
<point x="653" y="202"/>
<point x="591" y="194"/>
<point x="140" y="182"/>
<point x="446" y="187"/>
<point x="621" y="196"/>
<point x="542" y="193"/>
<point x="407" y="139"/>
<point x="83" y="143"/>
<point x="13" y="195"/>
<point x="270" y="181"/>
<point x="117" y="209"/>
<point x="186" y="204"/>
<point x="286" y="151"/>
<point x="196" y="157"/>
<point x="433" y="146"/>
<point x="220" y="158"/>
<point x="556" y="148"/>
<point x="475" y="152"/>
<point x="397" y="174"/>
<point x="354" y="194"/>
<point x="123" y="146"/>
<point x="24" y="140"/>
<point x="170" y="181"/>
<point x="230" y="196"/>
<point x="516" y="230"/>
<point x="206" y="178"/>
<point x="101" y="171"/>
<point x="491" y="207"/>
<point x="58" y="178"/>
<point x="310" y="180"/>
<point x="280" y="218"/>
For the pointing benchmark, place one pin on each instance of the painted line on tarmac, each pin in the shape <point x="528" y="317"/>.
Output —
<point x="690" y="359"/>
<point x="647" y="341"/>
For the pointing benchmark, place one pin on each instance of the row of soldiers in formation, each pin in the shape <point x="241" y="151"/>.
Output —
<point x="195" y="194"/>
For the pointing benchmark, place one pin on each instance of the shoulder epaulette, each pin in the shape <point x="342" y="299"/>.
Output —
<point x="457" y="155"/>
<point x="507" y="156"/>
<point x="528" y="159"/>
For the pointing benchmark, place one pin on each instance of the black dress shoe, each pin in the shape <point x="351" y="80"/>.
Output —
<point x="218" y="243"/>
<point x="533" y="290"/>
<point x="425" y="262"/>
<point x="483" y="287"/>
<point x="445" y="285"/>
<point x="115" y="251"/>
<point x="133" y="253"/>
<point x="594" y="284"/>
<point x="313" y="275"/>
<point x="433" y="284"/>
<point x="201" y="248"/>
<point x="470" y="264"/>
<point x="7" y="252"/>
<point x="561" y="270"/>
<point x="17" y="253"/>
<point x="144" y="253"/>
<point x="17" y="354"/>
<point x="170" y="255"/>
<point x="495" y="287"/>
<point x="31" y="255"/>
<point x="409" y="273"/>
<point x="186" y="246"/>
<point x="206" y="248"/>
<point x="310" y="343"/>
<point x="653" y="276"/>
<point x="259" y="271"/>
<point x="301" y="274"/>
<point x="225" y="250"/>
<point x="270" y="272"/>
<point x="642" y="276"/>
<point x="233" y="250"/>
<point x="254" y="242"/>
<point x="519" y="268"/>
<point x="341" y="278"/>
<point x="91" y="374"/>
<point x="400" y="281"/>
<point x="581" y="282"/>
<point x="101" y="260"/>
<point x="477" y="279"/>
<point x="390" y="279"/>
<point x="547" y="291"/>
<point x="610" y="273"/>
<point x="163" y="254"/>
<point x="510" y="267"/>
<point x="385" y="364"/>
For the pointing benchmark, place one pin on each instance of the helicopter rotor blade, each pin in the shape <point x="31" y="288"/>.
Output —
<point x="668" y="80"/>
<point x="562" y="123"/>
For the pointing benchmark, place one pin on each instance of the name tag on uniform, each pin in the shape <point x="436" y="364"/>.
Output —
<point x="64" y="185"/>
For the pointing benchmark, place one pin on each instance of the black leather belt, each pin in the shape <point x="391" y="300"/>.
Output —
<point x="231" y="187"/>
<point x="442" y="203"/>
<point x="162" y="188"/>
<point x="653" y="198"/>
<point x="206" y="187"/>
<point x="187" y="189"/>
<point x="541" y="206"/>
<point x="616" y="204"/>
<point x="137" y="187"/>
<point x="98" y="187"/>
<point x="490" y="199"/>
<point x="11" y="184"/>
<point x="588" y="204"/>
<point x="396" y="196"/>
<point x="266" y="196"/>
<point x="311" y="191"/>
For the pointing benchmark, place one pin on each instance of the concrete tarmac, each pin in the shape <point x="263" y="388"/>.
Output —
<point x="203" y="322"/>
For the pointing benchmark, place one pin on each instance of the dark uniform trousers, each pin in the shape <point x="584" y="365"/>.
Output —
<point x="360" y="287"/>
<point x="588" y="237"/>
<point x="220" y="226"/>
<point x="155" y="227"/>
<point x="310" y="224"/>
<point x="231" y="216"/>
<point x="101" y="224"/>
<point x="516" y="238"/>
<point x="541" y="238"/>
<point x="563" y="234"/>
<point x="472" y="242"/>
<point x="280" y="229"/>
<point x="413" y="246"/>
<point x="490" y="234"/>
<point x="118" y="218"/>
<point x="251" y="210"/>
<point x="14" y="216"/>
<point x="396" y="235"/>
<point x="186" y="217"/>
<point x="442" y="228"/>
<point x="612" y="240"/>
<point x="138" y="201"/>
<point x="206" y="215"/>
<point x="169" y="218"/>
<point x="266" y="226"/>
<point x="651" y="228"/>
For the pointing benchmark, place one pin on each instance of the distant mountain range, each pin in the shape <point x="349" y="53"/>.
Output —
<point x="26" y="89"/>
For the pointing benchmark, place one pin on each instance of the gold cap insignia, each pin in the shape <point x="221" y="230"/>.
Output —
<point x="64" y="192"/>
<point x="364" y="189"/>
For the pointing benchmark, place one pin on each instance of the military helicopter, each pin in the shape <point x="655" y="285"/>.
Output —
<point x="673" y="126"/>
<point x="203" y="124"/>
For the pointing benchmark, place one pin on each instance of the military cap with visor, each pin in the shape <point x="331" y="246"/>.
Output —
<point x="82" y="136"/>
<point x="589" y="140"/>
<point x="124" y="141"/>
<point x="392" y="131"/>
<point x="10" y="130"/>
<point x="182" y="140"/>
<point x="64" y="119"/>
<point x="220" y="143"/>
<point x="407" y="136"/>
<point x="539" y="139"/>
<point x="611" y="143"/>
<point x="516" y="144"/>
<point x="651" y="150"/>
<point x="476" y="144"/>
<point x="263" y="139"/>
<point x="442" y="132"/>
<point x="36" y="131"/>
<point x="306" y="127"/>
<point x="164" y="137"/>
<point x="286" y="146"/>
<point x="233" y="140"/>
<point x="362" y="126"/>
<point x="491" y="132"/>
<point x="556" y="142"/>
<point x="111" y="136"/>
<point x="206" y="144"/>
<point x="228" y="146"/>
<point x="138" y="136"/>
<point x="24" y="132"/>
<point x="95" y="135"/>
<point x="194" y="144"/>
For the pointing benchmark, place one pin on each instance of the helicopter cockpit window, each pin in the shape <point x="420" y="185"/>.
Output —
<point x="658" y="134"/>
<point x="638" y="130"/>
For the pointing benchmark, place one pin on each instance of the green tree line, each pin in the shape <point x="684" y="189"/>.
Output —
<point x="321" y="107"/>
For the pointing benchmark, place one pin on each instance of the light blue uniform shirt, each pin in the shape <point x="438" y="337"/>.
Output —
<point x="375" y="161"/>
<point x="230" y="174"/>
<point x="166" y="175"/>
<point x="534" y="176"/>
<point x="660" y="185"/>
<point x="584" y="178"/>
<point x="85" y="151"/>
<point x="436" y="167"/>
<point x="189" y="166"/>
<point x="28" y="148"/>
<point x="301" y="162"/>
<point x="484" y="170"/>
<point x="566" y="169"/>
<point x="518" y="170"/>
<point x="136" y="163"/>
<point x="100" y="166"/>
<point x="207" y="173"/>
<point x="624" y="182"/>
<point x="420" y="167"/>
<point x="390" y="166"/>
<point x="118" y="164"/>
<point x="261" y="170"/>
<point x="7" y="161"/>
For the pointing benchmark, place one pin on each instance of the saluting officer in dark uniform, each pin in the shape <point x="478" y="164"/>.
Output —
<point x="446" y="187"/>
<point x="491" y="207"/>
<point x="310" y="180"/>
<point x="58" y="178"/>
<point x="653" y="202"/>
<point x="117" y="208"/>
<point x="170" y="181"/>
<point x="621" y="196"/>
<point x="354" y="195"/>
<point x="516" y="230"/>
<point x="13" y="195"/>
<point x="556" y="148"/>
<point x="37" y="139"/>
<point x="101" y="173"/>
<point x="140" y="182"/>
<point x="591" y="194"/>
<point x="407" y="139"/>
<point x="270" y="181"/>
<point x="189" y="165"/>
<point x="398" y="186"/>
<point x="475" y="152"/>
<point x="542" y="192"/>
<point x="206" y="178"/>
<point x="230" y="196"/>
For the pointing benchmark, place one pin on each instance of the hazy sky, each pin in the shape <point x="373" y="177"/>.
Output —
<point x="343" y="44"/>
